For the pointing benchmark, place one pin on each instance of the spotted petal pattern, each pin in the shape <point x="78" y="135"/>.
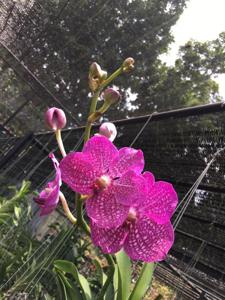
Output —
<point x="104" y="209"/>
<point x="127" y="209"/>
<point x="149" y="241"/>
<point x="128" y="159"/>
<point x="150" y="179"/>
<point x="130" y="189"/>
<point x="160" y="202"/>
<point x="109" y="240"/>
<point x="79" y="172"/>
<point x="101" y="152"/>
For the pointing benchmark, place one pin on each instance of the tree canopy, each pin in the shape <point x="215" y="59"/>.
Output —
<point x="58" y="40"/>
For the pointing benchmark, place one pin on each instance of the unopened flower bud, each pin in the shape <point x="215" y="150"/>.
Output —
<point x="128" y="64"/>
<point x="108" y="130"/>
<point x="55" y="118"/>
<point x="96" y="76"/>
<point x="111" y="96"/>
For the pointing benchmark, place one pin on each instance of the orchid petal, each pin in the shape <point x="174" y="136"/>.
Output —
<point x="109" y="240"/>
<point x="49" y="197"/>
<point x="101" y="152"/>
<point x="128" y="159"/>
<point x="160" y="202"/>
<point x="130" y="189"/>
<point x="104" y="209"/>
<point x="78" y="172"/>
<point x="149" y="241"/>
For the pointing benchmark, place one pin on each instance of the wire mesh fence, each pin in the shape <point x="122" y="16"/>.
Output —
<point x="46" y="70"/>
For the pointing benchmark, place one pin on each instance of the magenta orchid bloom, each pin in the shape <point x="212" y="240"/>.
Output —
<point x="147" y="233"/>
<point x="111" y="178"/>
<point x="49" y="196"/>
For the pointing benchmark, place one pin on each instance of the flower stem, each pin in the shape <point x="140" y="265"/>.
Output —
<point x="66" y="209"/>
<point x="111" y="77"/>
<point x="92" y="110"/>
<point x="80" y="219"/>
<point x="60" y="142"/>
<point x="95" y="100"/>
<point x="109" y="277"/>
<point x="79" y="201"/>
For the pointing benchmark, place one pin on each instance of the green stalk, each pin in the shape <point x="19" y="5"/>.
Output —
<point x="60" y="142"/>
<point x="80" y="219"/>
<point x="94" y="101"/>
<point x="79" y="202"/>
<point x="109" y="277"/>
<point x="111" y="77"/>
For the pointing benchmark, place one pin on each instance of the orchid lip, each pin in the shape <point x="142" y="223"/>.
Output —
<point x="39" y="201"/>
<point x="132" y="215"/>
<point x="102" y="182"/>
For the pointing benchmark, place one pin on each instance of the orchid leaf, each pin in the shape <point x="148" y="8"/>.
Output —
<point x="99" y="272"/>
<point x="124" y="275"/>
<point x="112" y="290"/>
<point x="69" y="267"/>
<point x="69" y="291"/>
<point x="143" y="283"/>
<point x="110" y="293"/>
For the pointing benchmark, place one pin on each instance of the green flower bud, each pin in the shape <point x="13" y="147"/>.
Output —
<point x="96" y="76"/>
<point x="128" y="64"/>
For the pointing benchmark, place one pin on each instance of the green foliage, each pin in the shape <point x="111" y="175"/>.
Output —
<point x="35" y="276"/>
<point x="134" y="28"/>
<point x="16" y="243"/>
<point x="100" y="275"/>
<point x="60" y="55"/>
<point x="22" y="267"/>
<point x="143" y="282"/>
<point x="81" y="282"/>
<point x="9" y="208"/>
<point x="124" y="275"/>
<point x="191" y="80"/>
<point x="73" y="285"/>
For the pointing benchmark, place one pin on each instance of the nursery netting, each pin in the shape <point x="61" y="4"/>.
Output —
<point x="177" y="145"/>
<point x="177" y="150"/>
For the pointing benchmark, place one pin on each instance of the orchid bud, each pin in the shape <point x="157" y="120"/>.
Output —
<point x="96" y="76"/>
<point x="108" y="130"/>
<point x="55" y="118"/>
<point x="111" y="96"/>
<point x="128" y="64"/>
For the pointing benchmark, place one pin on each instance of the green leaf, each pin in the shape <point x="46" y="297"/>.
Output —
<point x="17" y="211"/>
<point x="99" y="272"/>
<point x="4" y="217"/>
<point x="69" y="291"/>
<point x="143" y="282"/>
<point x="8" y="206"/>
<point x="62" y="286"/>
<point x="116" y="281"/>
<point x="124" y="275"/>
<point x="110" y="293"/>
<point x="69" y="267"/>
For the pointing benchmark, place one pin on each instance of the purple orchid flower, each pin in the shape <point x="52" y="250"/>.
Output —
<point x="49" y="196"/>
<point x="111" y="178"/>
<point x="147" y="233"/>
